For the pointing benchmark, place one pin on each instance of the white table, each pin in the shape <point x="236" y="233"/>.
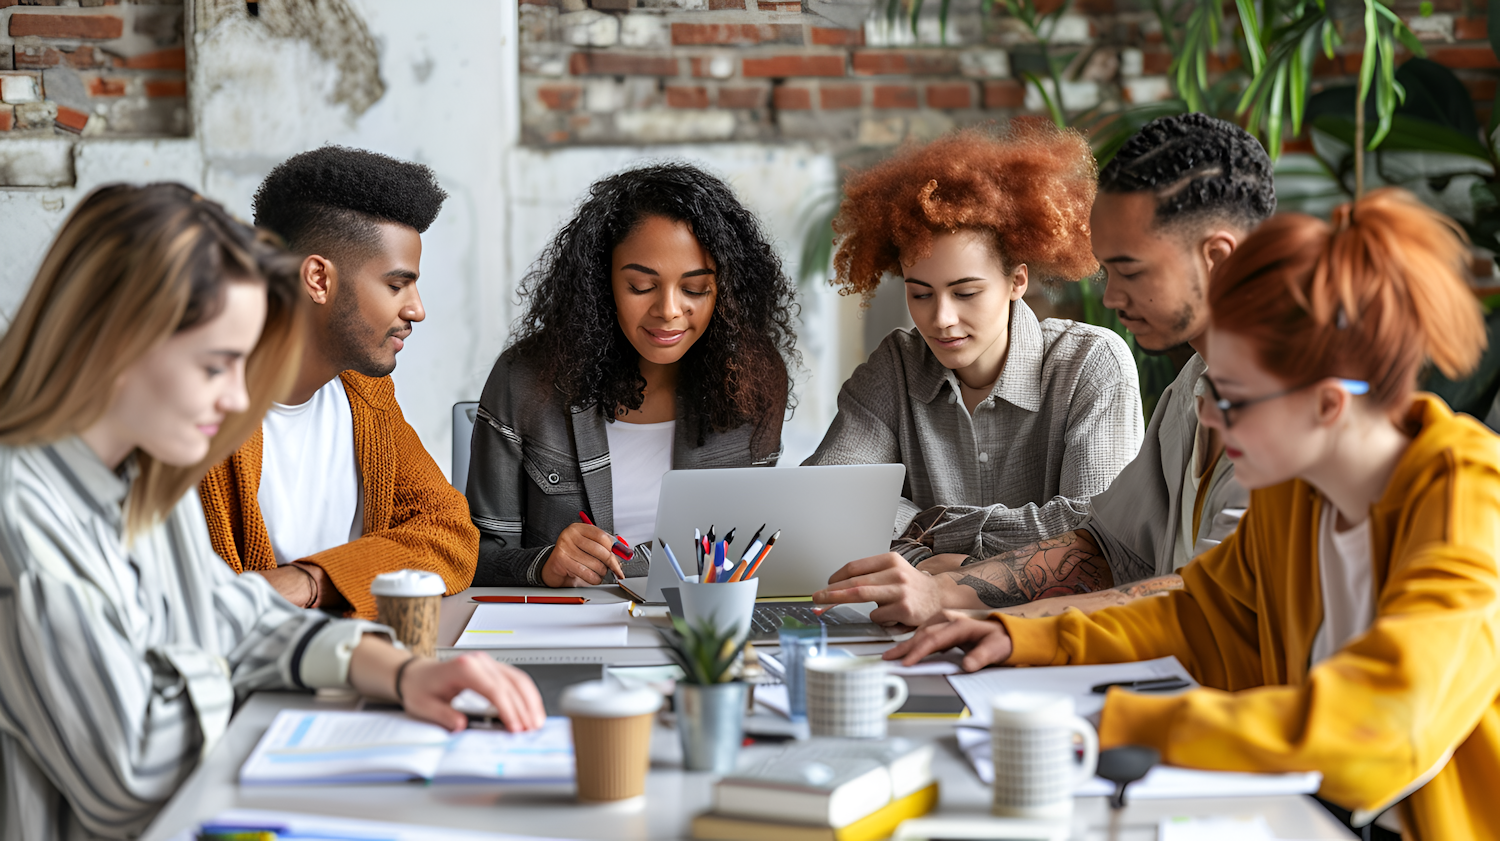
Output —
<point x="673" y="796"/>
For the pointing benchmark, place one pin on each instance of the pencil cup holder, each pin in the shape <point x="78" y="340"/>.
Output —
<point x="711" y="723"/>
<point x="1031" y="742"/>
<point x="723" y="606"/>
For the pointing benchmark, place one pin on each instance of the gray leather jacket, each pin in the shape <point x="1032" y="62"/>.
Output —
<point x="537" y="462"/>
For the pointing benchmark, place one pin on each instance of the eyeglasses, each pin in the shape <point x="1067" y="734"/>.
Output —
<point x="1223" y="407"/>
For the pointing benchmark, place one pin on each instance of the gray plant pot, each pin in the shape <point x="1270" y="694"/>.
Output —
<point x="711" y="723"/>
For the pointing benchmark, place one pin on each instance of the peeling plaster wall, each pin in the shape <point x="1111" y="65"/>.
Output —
<point x="443" y="93"/>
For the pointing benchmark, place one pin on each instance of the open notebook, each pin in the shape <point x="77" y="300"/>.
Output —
<point x="366" y="747"/>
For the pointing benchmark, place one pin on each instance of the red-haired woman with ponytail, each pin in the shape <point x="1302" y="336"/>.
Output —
<point x="1352" y="624"/>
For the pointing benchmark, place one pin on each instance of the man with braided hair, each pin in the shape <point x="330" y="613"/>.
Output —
<point x="1176" y="201"/>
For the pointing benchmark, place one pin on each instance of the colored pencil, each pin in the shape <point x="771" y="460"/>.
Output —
<point x="755" y="567"/>
<point x="677" y="568"/>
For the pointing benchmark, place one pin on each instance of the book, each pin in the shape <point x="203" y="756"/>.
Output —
<point x="826" y="782"/>
<point x="303" y="746"/>
<point x="877" y="825"/>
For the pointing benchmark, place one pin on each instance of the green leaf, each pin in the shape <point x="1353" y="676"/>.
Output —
<point x="1250" y="22"/>
<point x="1408" y="134"/>
<point x="1494" y="25"/>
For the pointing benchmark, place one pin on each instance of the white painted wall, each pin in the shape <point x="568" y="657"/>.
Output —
<point x="450" y="76"/>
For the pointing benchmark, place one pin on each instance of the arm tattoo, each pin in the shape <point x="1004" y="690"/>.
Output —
<point x="1065" y="565"/>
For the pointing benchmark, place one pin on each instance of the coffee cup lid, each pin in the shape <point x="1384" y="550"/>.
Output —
<point x="409" y="583"/>
<point x="602" y="699"/>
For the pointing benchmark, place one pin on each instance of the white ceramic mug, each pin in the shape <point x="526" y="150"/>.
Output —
<point x="1031" y="742"/>
<point x="850" y="696"/>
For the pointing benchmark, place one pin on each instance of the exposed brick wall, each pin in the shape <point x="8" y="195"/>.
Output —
<point x="638" y="71"/>
<point x="92" y="67"/>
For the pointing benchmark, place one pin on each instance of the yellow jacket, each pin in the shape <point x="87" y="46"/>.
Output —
<point x="1385" y="711"/>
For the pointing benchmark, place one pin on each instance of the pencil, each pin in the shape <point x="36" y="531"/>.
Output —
<point x="677" y="568"/>
<point x="755" y="567"/>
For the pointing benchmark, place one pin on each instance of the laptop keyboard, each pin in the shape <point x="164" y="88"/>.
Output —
<point x="767" y="617"/>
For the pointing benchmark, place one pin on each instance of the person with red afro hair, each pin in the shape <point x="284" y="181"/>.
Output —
<point x="1349" y="626"/>
<point x="1007" y="424"/>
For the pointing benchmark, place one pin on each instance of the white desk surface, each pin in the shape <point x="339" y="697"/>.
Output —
<point x="673" y="796"/>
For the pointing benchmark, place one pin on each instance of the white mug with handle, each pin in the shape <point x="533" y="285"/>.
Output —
<point x="1032" y="744"/>
<point x="851" y="696"/>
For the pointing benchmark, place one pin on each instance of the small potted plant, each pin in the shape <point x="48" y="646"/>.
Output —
<point x="710" y="697"/>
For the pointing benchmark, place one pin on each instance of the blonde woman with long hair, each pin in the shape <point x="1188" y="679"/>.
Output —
<point x="155" y="335"/>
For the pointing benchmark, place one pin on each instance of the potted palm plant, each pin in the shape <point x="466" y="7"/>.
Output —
<point x="710" y="697"/>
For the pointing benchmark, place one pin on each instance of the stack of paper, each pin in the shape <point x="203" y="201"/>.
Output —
<point x="1078" y="681"/>
<point x="577" y="626"/>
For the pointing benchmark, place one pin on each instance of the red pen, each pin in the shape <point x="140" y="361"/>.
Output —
<point x="622" y="548"/>
<point x="531" y="599"/>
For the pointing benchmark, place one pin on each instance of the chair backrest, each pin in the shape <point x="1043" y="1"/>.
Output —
<point x="463" y="432"/>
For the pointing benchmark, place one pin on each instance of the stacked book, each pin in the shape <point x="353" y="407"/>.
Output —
<point x="823" y="790"/>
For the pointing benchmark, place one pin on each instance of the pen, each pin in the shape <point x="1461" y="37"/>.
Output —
<point x="698" y="550"/>
<point x="531" y="599"/>
<point x="754" y="538"/>
<point x="621" y="548"/>
<point x="1160" y="684"/>
<point x="755" y="567"/>
<point x="739" y="571"/>
<point x="720" y="573"/>
<point x="677" y="568"/>
<point x="728" y="539"/>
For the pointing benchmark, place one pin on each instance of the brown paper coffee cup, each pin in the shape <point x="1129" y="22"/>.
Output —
<point x="611" y="738"/>
<point x="409" y="601"/>
<point x="612" y="756"/>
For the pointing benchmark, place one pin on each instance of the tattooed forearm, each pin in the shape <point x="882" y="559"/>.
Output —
<point x="1151" y="586"/>
<point x="1068" y="564"/>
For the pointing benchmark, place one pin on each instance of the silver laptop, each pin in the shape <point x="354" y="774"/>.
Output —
<point x="827" y="516"/>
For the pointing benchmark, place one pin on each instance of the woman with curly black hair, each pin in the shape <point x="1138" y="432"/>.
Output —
<point x="657" y="335"/>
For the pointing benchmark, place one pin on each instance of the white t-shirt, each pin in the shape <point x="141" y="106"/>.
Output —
<point x="310" y="493"/>
<point x="1348" y="587"/>
<point x="639" y="455"/>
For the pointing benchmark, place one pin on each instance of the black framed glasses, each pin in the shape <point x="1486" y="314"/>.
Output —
<point x="1213" y="403"/>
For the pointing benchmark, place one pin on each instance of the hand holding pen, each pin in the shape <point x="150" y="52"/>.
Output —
<point x="583" y="554"/>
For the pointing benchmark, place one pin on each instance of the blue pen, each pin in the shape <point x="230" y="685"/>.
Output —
<point x="719" y="566"/>
<point x="673" y="558"/>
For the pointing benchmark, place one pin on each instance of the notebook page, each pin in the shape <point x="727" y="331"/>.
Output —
<point x="328" y="747"/>
<point x="544" y="755"/>
<point x="1077" y="681"/>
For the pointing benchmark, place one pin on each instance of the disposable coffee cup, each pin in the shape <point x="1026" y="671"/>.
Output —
<point x="408" y="602"/>
<point x="611" y="738"/>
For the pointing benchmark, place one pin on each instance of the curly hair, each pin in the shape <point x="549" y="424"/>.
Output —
<point x="329" y="200"/>
<point x="1029" y="190"/>
<point x="739" y="370"/>
<point x="1199" y="168"/>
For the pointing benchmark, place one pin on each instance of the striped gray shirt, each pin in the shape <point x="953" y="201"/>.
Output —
<point x="120" y="665"/>
<point x="1060" y="422"/>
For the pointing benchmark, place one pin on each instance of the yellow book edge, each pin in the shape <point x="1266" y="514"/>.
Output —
<point x="875" y="826"/>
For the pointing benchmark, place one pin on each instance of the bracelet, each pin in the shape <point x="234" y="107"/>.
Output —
<point x="401" y="670"/>
<point x="313" y="602"/>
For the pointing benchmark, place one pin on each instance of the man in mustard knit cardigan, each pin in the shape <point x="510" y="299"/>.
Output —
<point x="336" y="488"/>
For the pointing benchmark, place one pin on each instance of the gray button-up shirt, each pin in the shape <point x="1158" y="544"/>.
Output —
<point x="120" y="663"/>
<point x="1060" y="422"/>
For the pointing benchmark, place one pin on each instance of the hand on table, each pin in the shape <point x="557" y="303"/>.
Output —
<point x="429" y="686"/>
<point x="985" y="640"/>
<point x="905" y="594"/>
<point x="583" y="553"/>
